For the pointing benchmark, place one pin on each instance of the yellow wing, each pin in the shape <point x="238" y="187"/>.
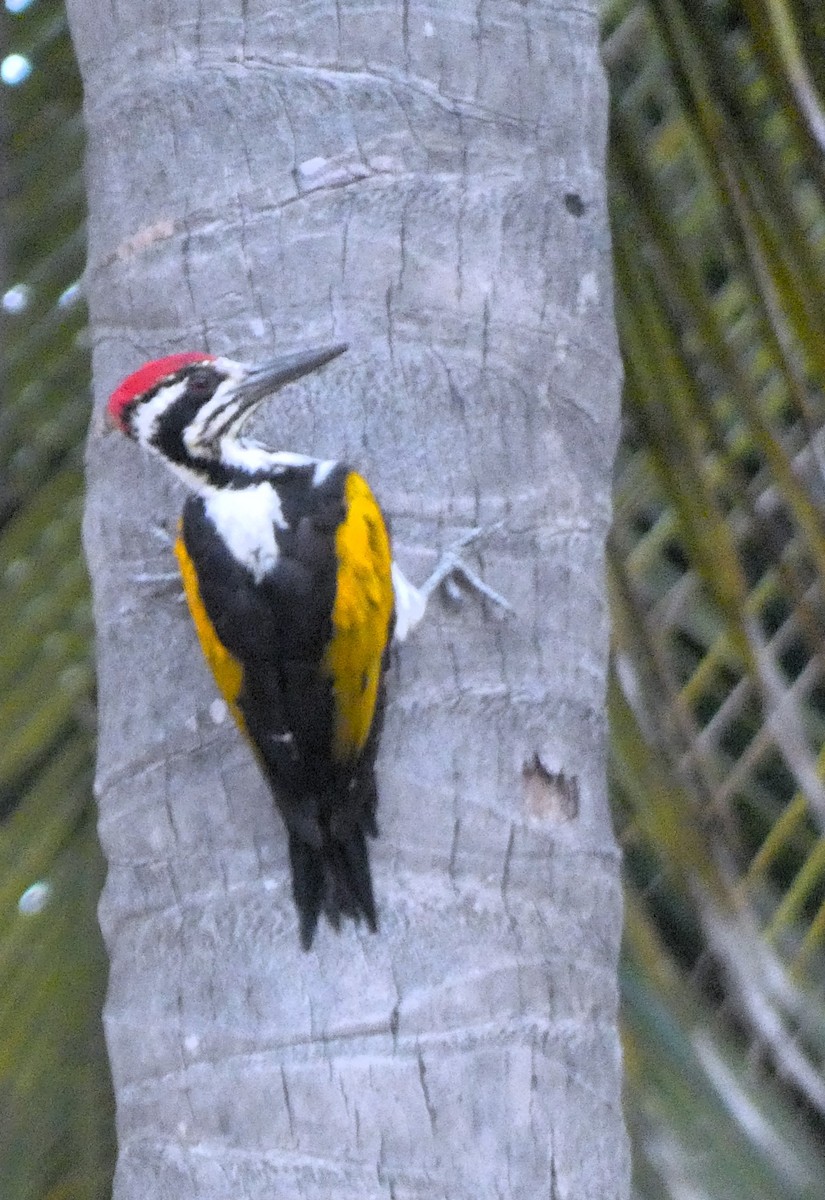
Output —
<point x="227" y="670"/>
<point x="360" y="616"/>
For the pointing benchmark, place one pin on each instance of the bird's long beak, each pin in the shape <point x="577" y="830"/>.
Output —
<point x="264" y="380"/>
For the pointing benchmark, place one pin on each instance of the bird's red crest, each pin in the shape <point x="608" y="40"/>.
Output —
<point x="147" y="377"/>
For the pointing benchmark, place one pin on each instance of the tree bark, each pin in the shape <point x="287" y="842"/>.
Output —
<point x="425" y="182"/>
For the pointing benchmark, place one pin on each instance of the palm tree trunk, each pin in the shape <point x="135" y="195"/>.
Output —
<point x="427" y="185"/>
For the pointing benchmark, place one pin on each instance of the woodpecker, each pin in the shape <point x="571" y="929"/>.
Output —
<point x="288" y="573"/>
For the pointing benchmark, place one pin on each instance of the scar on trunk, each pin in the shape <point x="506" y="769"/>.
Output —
<point x="549" y="795"/>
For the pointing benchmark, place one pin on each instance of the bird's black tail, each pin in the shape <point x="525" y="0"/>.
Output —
<point x="333" y="878"/>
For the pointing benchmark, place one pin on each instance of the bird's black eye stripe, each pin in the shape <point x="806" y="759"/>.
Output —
<point x="202" y="381"/>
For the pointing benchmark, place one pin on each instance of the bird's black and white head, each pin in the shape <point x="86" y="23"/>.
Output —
<point x="190" y="408"/>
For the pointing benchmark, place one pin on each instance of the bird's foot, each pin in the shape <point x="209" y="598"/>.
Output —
<point x="159" y="577"/>
<point x="451" y="570"/>
<point x="162" y="581"/>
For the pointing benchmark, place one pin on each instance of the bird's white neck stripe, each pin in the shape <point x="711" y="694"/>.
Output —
<point x="252" y="457"/>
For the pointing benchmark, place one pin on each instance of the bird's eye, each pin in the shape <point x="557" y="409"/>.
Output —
<point x="201" y="383"/>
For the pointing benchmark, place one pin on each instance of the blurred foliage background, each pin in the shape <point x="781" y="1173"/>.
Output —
<point x="56" y="1122"/>
<point x="717" y="562"/>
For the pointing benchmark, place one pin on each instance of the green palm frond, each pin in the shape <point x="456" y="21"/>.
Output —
<point x="717" y="564"/>
<point x="55" y="1102"/>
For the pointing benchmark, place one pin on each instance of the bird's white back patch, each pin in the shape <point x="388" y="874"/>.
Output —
<point x="246" y="519"/>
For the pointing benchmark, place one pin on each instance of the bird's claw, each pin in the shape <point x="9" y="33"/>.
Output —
<point x="160" y="577"/>
<point x="162" y="535"/>
<point x="161" y="582"/>
<point x="451" y="567"/>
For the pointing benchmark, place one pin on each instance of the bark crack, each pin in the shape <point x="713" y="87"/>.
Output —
<point x="431" y="1111"/>
<point x="288" y="1105"/>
